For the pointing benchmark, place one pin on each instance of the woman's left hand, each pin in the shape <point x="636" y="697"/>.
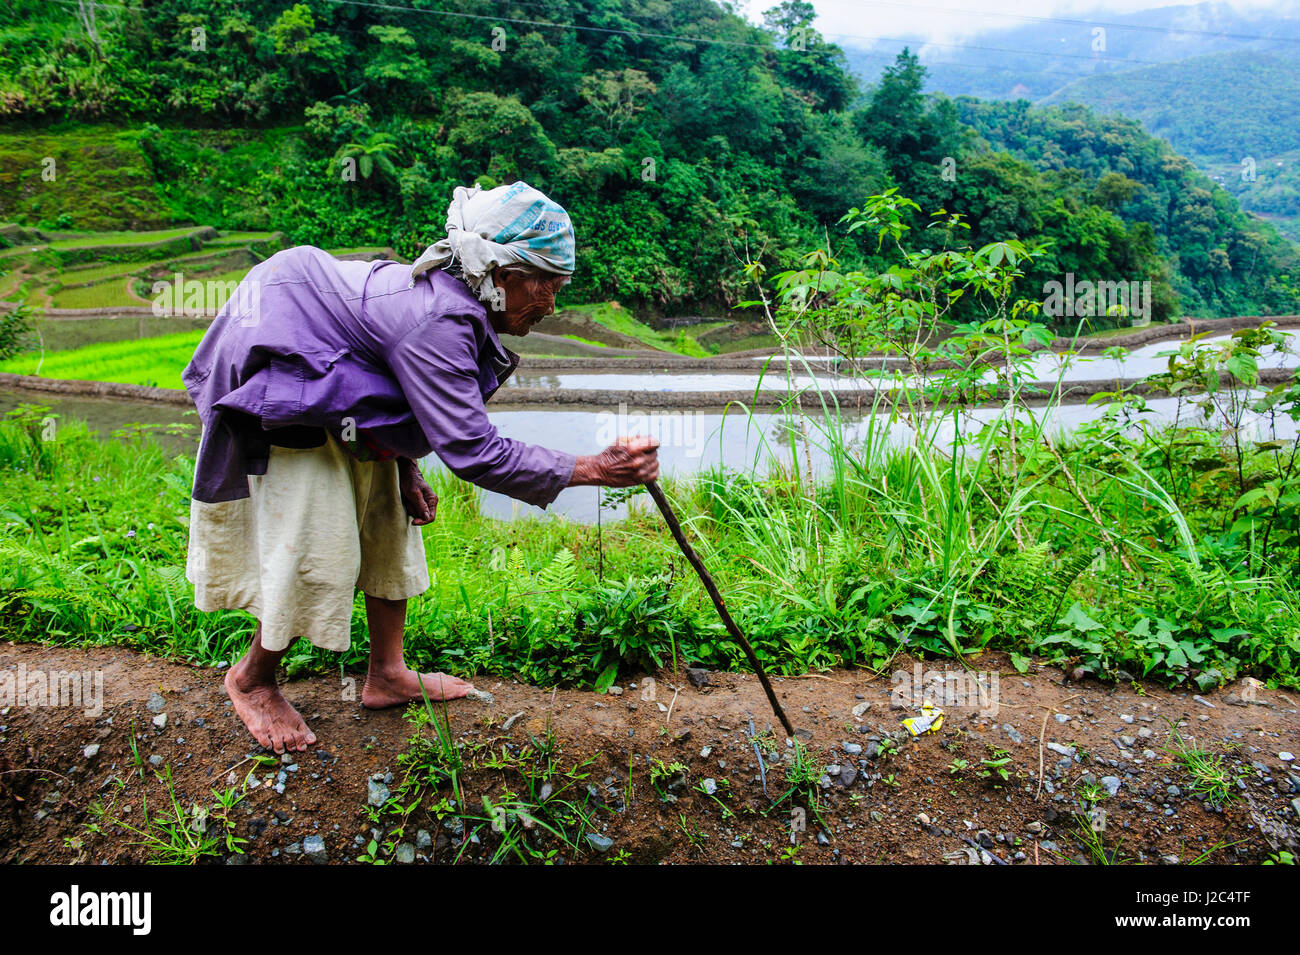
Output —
<point x="417" y="497"/>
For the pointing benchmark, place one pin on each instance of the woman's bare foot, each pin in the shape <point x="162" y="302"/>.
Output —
<point x="268" y="715"/>
<point x="403" y="686"/>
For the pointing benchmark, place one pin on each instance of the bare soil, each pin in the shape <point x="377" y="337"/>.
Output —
<point x="903" y="801"/>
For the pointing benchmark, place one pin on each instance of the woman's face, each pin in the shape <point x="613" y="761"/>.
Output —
<point x="529" y="297"/>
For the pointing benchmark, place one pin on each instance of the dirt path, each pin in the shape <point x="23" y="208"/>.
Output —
<point x="70" y="783"/>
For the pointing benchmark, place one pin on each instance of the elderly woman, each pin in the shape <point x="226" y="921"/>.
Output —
<point x="320" y="384"/>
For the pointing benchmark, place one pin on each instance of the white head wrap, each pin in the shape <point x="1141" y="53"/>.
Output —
<point x="508" y="225"/>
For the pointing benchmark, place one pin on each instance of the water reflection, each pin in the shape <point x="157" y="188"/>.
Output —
<point x="755" y="443"/>
<point x="1046" y="366"/>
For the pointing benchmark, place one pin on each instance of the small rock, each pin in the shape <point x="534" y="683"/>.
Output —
<point x="156" y="703"/>
<point x="160" y="720"/>
<point x="1285" y="756"/>
<point x="91" y="751"/>
<point x="861" y="708"/>
<point x="1061" y="750"/>
<point x="405" y="853"/>
<point x="378" y="793"/>
<point x="1111" y="783"/>
<point x="1204" y="702"/>
<point x="512" y="720"/>
<point x="599" y="843"/>
<point x="313" y="847"/>
<point x="423" y="839"/>
<point x="615" y="690"/>
<point x="709" y="785"/>
<point x="155" y="760"/>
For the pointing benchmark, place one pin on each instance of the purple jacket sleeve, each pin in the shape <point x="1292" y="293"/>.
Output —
<point x="436" y="365"/>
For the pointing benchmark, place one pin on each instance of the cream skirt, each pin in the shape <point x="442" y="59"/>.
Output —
<point x="316" y="527"/>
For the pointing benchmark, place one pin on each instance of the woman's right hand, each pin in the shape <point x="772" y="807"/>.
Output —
<point x="627" y="463"/>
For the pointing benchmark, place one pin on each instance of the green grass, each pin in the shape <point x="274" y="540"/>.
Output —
<point x="241" y="238"/>
<point x="62" y="334"/>
<point x="230" y="275"/>
<point x="109" y="294"/>
<point x="94" y="239"/>
<point x="95" y="273"/>
<point x="620" y="320"/>
<point x="156" y="362"/>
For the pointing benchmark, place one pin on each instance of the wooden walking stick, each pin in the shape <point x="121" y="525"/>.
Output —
<point x="675" y="526"/>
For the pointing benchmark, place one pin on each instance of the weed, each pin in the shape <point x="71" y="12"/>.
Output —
<point x="1211" y="778"/>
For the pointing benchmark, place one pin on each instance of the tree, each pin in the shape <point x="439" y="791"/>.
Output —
<point x="375" y="154"/>
<point x="616" y="97"/>
<point x="296" y="37"/>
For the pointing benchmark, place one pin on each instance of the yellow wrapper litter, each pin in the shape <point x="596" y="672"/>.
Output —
<point x="930" y="720"/>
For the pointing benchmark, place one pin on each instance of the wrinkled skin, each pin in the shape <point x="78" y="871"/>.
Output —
<point x="417" y="497"/>
<point x="529" y="298"/>
<point x="629" y="462"/>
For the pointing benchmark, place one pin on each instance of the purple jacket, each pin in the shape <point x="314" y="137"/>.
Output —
<point x="307" y="342"/>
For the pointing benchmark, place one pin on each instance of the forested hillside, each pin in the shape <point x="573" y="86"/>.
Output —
<point x="683" y="138"/>
<point x="1246" y="135"/>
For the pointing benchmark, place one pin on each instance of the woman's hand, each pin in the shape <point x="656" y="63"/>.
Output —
<point x="629" y="462"/>
<point x="417" y="497"/>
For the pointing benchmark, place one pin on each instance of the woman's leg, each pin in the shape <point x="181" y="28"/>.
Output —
<point x="260" y="704"/>
<point x="389" y="682"/>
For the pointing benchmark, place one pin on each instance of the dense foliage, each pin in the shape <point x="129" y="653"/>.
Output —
<point x="1233" y="114"/>
<point x="684" y="139"/>
<point x="1224" y="261"/>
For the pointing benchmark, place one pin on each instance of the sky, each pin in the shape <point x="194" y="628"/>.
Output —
<point x="945" y="20"/>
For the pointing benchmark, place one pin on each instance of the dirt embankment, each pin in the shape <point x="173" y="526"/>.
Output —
<point x="857" y="399"/>
<point x="74" y="787"/>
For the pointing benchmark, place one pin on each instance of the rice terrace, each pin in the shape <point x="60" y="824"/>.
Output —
<point x="613" y="433"/>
